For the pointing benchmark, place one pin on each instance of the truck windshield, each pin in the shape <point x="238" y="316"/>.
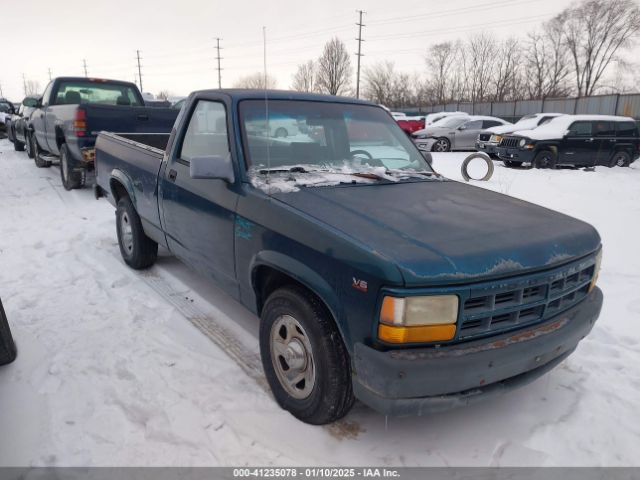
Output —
<point x="325" y="135"/>
<point x="92" y="91"/>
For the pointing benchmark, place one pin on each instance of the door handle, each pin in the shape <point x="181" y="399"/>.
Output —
<point x="143" y="117"/>
<point x="172" y="175"/>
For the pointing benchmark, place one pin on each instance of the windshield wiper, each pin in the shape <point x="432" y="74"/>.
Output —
<point x="297" y="169"/>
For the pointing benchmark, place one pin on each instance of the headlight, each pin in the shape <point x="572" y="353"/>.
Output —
<point x="522" y="142"/>
<point x="495" y="138"/>
<point x="596" y="271"/>
<point x="420" y="136"/>
<point x="418" y="319"/>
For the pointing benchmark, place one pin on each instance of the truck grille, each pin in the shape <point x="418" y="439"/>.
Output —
<point x="509" y="142"/>
<point x="514" y="303"/>
<point x="484" y="137"/>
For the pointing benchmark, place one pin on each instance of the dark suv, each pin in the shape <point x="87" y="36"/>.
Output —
<point x="574" y="140"/>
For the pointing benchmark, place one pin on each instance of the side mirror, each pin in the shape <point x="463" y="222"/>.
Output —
<point x="212" y="167"/>
<point x="462" y="127"/>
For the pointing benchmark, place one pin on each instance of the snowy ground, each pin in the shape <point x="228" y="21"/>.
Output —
<point x="111" y="372"/>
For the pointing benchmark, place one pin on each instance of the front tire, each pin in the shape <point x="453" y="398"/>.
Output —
<point x="137" y="250"/>
<point x="281" y="133"/>
<point x="35" y="149"/>
<point x="304" y="359"/>
<point x="441" y="145"/>
<point x="70" y="179"/>
<point x="18" y="146"/>
<point x="545" y="159"/>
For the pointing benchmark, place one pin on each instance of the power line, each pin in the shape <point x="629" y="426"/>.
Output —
<point x="84" y="65"/>
<point x="139" y="69"/>
<point x="359" y="54"/>
<point x="219" y="58"/>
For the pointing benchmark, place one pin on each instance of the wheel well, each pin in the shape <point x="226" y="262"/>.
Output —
<point x="267" y="280"/>
<point x="118" y="190"/>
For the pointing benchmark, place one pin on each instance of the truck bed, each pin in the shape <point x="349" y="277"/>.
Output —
<point x="134" y="158"/>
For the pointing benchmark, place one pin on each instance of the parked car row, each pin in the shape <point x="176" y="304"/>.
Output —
<point x="542" y="140"/>
<point x="61" y="126"/>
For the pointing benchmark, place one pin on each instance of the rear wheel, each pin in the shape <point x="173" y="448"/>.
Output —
<point x="137" y="250"/>
<point x="304" y="359"/>
<point x="441" y="145"/>
<point x="282" y="132"/>
<point x="545" y="159"/>
<point x="70" y="179"/>
<point x="28" y="145"/>
<point x="620" y="159"/>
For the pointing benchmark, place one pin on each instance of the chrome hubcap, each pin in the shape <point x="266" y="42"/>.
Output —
<point x="620" y="161"/>
<point x="126" y="232"/>
<point x="292" y="357"/>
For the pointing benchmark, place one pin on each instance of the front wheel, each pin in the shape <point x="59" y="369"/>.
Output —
<point x="304" y="359"/>
<point x="441" y="145"/>
<point x="70" y="178"/>
<point x="137" y="250"/>
<point x="18" y="146"/>
<point x="544" y="159"/>
<point x="37" y="155"/>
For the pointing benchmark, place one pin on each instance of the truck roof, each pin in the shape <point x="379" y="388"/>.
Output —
<point x="91" y="79"/>
<point x="259" y="94"/>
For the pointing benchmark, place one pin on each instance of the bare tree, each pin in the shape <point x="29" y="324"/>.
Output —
<point x="547" y="62"/>
<point x="594" y="31"/>
<point x="334" y="68"/>
<point x="304" y="79"/>
<point x="506" y="74"/>
<point x="441" y="61"/>
<point x="378" y="82"/>
<point x="481" y="50"/>
<point x="256" y="80"/>
<point x="33" y="87"/>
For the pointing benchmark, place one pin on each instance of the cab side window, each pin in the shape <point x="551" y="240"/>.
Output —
<point x="604" y="129"/>
<point x="207" y="132"/>
<point x="490" y="123"/>
<point x="580" y="129"/>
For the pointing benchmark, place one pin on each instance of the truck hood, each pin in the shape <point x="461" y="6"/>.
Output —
<point x="439" y="232"/>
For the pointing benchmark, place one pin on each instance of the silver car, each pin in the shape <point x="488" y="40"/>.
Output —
<point x="454" y="133"/>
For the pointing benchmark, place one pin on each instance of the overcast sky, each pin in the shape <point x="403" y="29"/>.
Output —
<point x="176" y="39"/>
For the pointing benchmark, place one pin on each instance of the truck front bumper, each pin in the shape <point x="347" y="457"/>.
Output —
<point x="427" y="380"/>
<point x="515" y="154"/>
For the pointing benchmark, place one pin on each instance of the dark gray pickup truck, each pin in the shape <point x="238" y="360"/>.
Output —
<point x="73" y="110"/>
<point x="373" y="277"/>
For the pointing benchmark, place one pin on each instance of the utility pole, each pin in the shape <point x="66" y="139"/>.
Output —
<point x="359" y="54"/>
<point x="24" y="84"/>
<point x="84" y="66"/>
<point x="1" y="94"/>
<point x="49" y="70"/>
<point x="139" y="69"/>
<point x="219" y="58"/>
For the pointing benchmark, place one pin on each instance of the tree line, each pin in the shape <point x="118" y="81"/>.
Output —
<point x="571" y="54"/>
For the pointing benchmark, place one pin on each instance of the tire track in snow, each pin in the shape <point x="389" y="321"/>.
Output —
<point x="227" y="341"/>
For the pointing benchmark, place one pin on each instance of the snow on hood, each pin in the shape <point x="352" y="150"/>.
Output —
<point x="302" y="175"/>
<point x="528" y="124"/>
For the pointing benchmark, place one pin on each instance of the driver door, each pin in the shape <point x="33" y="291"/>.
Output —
<point x="199" y="214"/>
